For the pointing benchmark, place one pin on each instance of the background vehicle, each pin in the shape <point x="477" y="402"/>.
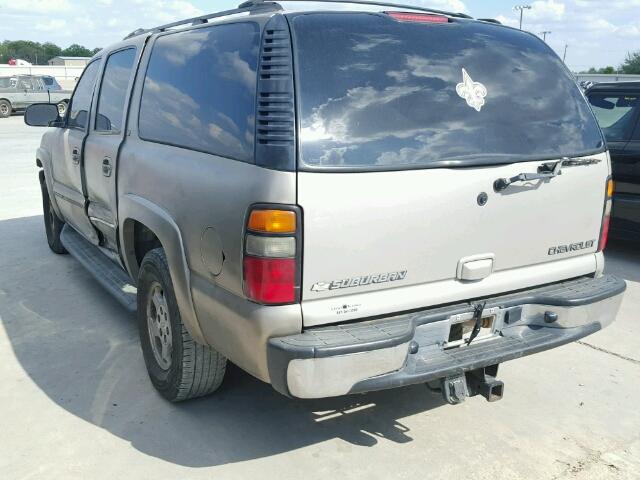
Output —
<point x="617" y="108"/>
<point x="17" y="92"/>
<point x="407" y="210"/>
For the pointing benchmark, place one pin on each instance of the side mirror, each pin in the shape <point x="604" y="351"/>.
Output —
<point x="41" y="114"/>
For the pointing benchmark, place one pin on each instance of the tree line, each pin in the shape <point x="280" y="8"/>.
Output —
<point x="630" y="66"/>
<point x="40" y="53"/>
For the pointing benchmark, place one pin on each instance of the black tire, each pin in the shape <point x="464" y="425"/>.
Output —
<point x="193" y="370"/>
<point x="5" y="108"/>
<point x="52" y="223"/>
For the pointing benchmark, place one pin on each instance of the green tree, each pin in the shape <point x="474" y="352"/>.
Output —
<point x="632" y="64"/>
<point x="605" y="70"/>
<point x="76" y="50"/>
<point x="50" y="50"/>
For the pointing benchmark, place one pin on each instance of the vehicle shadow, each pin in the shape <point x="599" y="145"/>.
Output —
<point x="81" y="349"/>
<point x="623" y="259"/>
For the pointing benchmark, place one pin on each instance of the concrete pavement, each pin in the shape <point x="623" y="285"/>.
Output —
<point x="75" y="401"/>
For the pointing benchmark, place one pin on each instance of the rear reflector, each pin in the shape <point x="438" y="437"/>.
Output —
<point x="604" y="233"/>
<point x="270" y="280"/>
<point x="272" y="221"/>
<point x="606" y="217"/>
<point x="417" y="17"/>
<point x="278" y="247"/>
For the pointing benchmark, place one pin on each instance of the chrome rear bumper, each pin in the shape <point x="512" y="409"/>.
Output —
<point x="412" y="348"/>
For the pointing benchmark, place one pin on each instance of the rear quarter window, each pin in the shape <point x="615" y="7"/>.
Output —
<point x="199" y="90"/>
<point x="376" y="93"/>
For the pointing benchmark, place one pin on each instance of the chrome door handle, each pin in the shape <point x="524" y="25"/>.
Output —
<point x="106" y="167"/>
<point x="75" y="156"/>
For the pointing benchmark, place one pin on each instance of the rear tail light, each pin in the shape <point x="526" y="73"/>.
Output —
<point x="417" y="17"/>
<point x="271" y="265"/>
<point x="606" y="217"/>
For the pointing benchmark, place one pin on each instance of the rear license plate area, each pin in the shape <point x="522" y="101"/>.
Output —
<point x="460" y="331"/>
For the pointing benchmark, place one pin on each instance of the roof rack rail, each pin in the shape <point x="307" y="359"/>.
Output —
<point x="490" y="20"/>
<point x="368" y="2"/>
<point x="259" y="6"/>
<point x="247" y="7"/>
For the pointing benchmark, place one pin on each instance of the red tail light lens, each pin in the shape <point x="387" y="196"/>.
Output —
<point x="417" y="17"/>
<point x="270" y="280"/>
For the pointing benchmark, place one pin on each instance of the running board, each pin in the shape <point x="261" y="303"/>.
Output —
<point x="110" y="275"/>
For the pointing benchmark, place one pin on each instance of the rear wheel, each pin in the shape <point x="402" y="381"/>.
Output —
<point x="179" y="367"/>
<point x="5" y="108"/>
<point x="52" y="223"/>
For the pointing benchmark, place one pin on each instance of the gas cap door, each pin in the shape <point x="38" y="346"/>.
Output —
<point x="476" y="267"/>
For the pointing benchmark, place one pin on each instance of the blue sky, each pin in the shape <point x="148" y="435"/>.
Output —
<point x="598" y="33"/>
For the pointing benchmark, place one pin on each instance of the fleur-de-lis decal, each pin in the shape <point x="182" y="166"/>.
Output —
<point x="473" y="92"/>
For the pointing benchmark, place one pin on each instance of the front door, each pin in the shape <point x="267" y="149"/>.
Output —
<point x="103" y="144"/>
<point x="68" y="153"/>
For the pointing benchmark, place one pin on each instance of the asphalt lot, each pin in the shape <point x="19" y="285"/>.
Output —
<point x="75" y="401"/>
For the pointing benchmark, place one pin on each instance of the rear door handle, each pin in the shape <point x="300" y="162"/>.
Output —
<point x="75" y="156"/>
<point x="106" y="167"/>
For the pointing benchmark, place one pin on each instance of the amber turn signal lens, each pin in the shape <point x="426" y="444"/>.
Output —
<point x="272" y="221"/>
<point x="610" y="188"/>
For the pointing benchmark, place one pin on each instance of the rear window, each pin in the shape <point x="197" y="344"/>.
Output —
<point x="200" y="90"/>
<point x="616" y="114"/>
<point x="376" y="93"/>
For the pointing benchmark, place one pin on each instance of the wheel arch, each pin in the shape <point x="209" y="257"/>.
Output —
<point x="137" y="214"/>
<point x="43" y="161"/>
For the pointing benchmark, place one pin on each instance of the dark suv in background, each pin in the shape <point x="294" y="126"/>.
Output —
<point x="617" y="108"/>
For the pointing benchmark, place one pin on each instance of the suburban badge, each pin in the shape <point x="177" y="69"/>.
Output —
<point x="359" y="281"/>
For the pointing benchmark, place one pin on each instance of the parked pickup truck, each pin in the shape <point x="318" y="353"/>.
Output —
<point x="17" y="92"/>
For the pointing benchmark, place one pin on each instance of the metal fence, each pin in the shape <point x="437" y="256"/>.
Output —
<point x="600" y="78"/>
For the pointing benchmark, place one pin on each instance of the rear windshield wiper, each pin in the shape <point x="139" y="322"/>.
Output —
<point x="545" y="171"/>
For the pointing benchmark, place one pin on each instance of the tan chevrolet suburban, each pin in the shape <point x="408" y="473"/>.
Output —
<point x="337" y="201"/>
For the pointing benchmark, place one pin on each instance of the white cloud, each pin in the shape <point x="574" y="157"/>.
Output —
<point x="38" y="6"/>
<point x="52" y="25"/>
<point x="546" y="10"/>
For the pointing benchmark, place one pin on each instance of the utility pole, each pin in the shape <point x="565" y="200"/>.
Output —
<point x="521" y="9"/>
<point x="564" y="57"/>
<point x="544" y="34"/>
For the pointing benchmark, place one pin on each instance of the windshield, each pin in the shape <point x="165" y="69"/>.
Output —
<point x="376" y="93"/>
<point x="615" y="113"/>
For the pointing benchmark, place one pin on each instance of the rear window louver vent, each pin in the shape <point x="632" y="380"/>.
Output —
<point x="275" y="119"/>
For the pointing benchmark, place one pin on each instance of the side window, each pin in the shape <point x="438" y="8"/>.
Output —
<point x="199" y="91"/>
<point x="24" y="83"/>
<point x="113" y="90"/>
<point x="81" y="100"/>
<point x="616" y="115"/>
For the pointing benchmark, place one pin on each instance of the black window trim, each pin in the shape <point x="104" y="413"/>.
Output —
<point x="70" y="106"/>
<point x="151" y="47"/>
<point x="98" y="90"/>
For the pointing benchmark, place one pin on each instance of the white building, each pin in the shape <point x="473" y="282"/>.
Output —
<point x="70" y="61"/>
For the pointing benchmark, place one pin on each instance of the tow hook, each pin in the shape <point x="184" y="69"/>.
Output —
<point x="476" y="382"/>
